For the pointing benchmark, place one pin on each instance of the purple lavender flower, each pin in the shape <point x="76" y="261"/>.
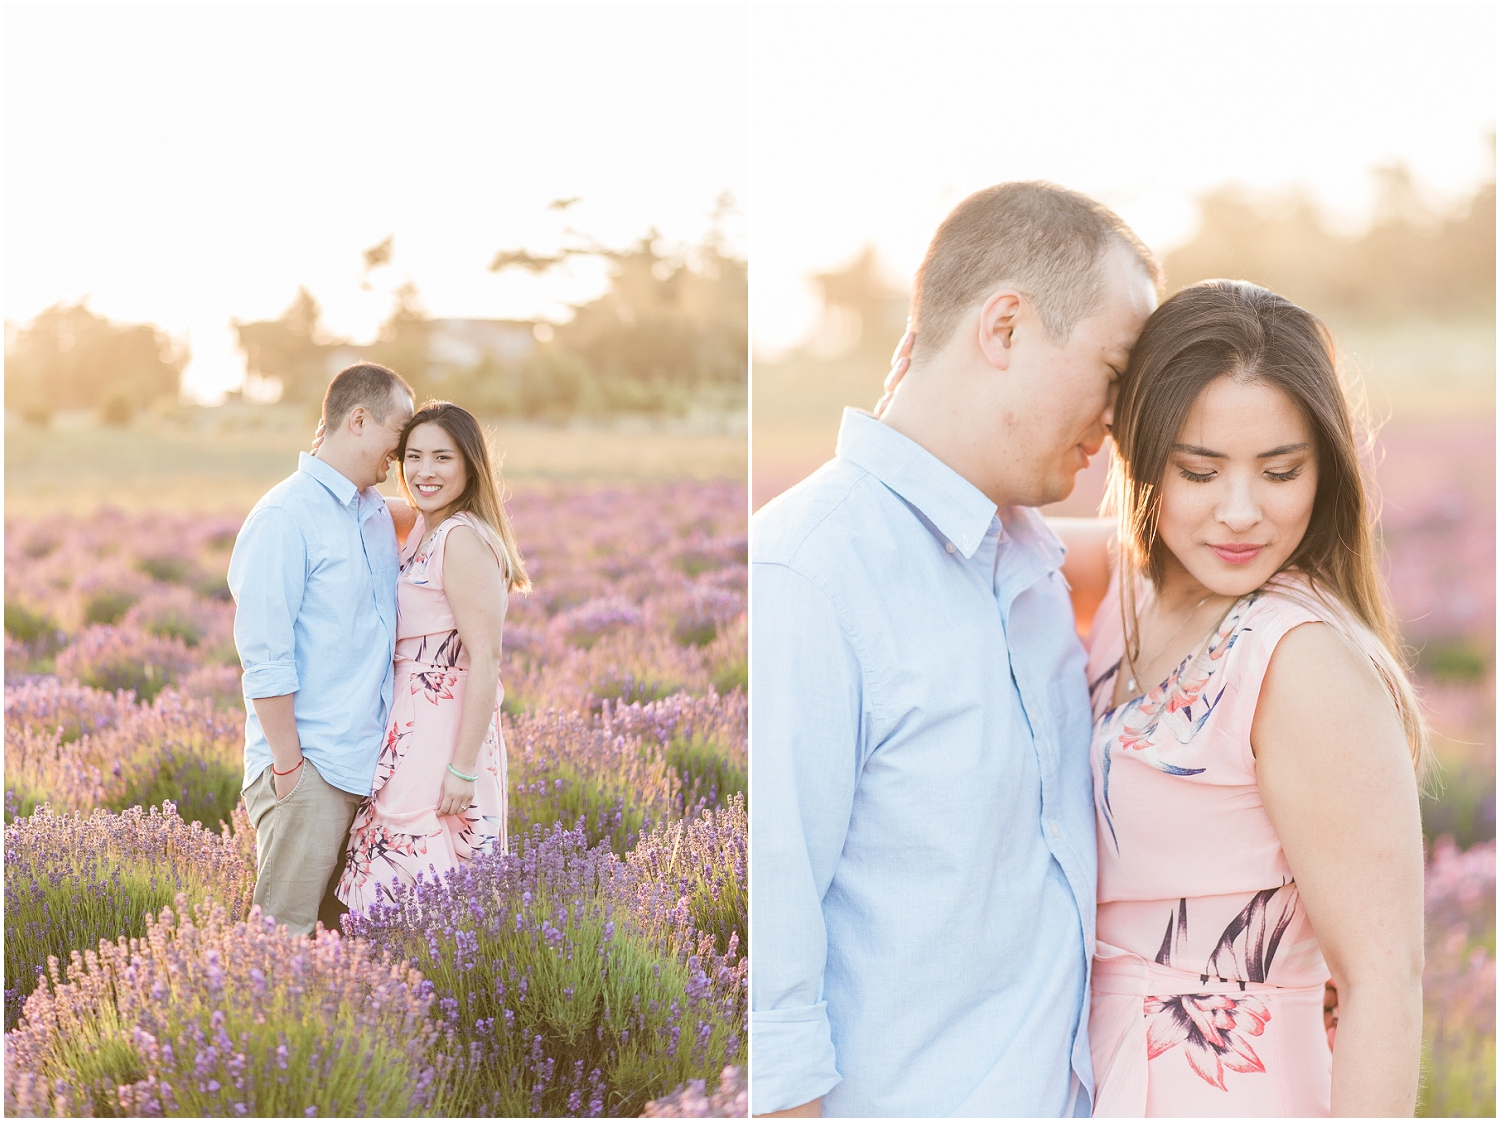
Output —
<point x="71" y="881"/>
<point x="335" y="1016"/>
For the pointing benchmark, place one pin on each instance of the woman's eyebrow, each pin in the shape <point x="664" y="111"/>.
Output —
<point x="1209" y="453"/>
<point x="1199" y="450"/>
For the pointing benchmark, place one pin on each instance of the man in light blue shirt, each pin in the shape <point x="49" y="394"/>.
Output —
<point x="923" y="862"/>
<point x="314" y="581"/>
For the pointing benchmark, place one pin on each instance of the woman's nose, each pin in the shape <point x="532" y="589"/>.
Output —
<point x="1239" y="511"/>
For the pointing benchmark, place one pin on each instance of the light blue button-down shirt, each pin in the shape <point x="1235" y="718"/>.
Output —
<point x="314" y="581"/>
<point x="923" y="863"/>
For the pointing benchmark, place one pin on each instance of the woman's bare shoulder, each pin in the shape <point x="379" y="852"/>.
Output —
<point x="465" y="543"/>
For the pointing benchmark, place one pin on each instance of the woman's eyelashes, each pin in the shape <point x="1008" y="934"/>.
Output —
<point x="1192" y="476"/>
<point x="1195" y="476"/>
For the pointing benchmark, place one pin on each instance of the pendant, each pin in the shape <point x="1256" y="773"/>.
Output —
<point x="1130" y="685"/>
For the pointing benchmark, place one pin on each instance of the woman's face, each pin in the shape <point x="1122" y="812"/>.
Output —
<point x="1239" y="487"/>
<point x="434" y="468"/>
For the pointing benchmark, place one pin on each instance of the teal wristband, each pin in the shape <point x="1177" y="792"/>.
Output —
<point x="461" y="775"/>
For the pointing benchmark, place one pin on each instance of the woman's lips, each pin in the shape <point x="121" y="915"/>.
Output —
<point x="1233" y="554"/>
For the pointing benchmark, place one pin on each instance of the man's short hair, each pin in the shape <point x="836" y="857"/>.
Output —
<point x="1045" y="240"/>
<point x="365" y="383"/>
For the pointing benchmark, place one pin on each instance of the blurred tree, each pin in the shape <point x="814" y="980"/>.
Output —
<point x="668" y="327"/>
<point x="1413" y="260"/>
<point x="70" y="358"/>
<point x="672" y="326"/>
<point x="295" y="350"/>
<point x="403" y="342"/>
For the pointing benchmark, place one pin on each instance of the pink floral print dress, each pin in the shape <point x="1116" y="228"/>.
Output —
<point x="397" y="835"/>
<point x="1207" y="991"/>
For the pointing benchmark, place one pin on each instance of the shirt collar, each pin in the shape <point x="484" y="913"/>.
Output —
<point x="957" y="508"/>
<point x="341" y="487"/>
<point x="1028" y="529"/>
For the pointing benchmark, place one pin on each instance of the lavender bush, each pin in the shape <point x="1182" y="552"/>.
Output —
<point x="124" y="658"/>
<point x="704" y="863"/>
<point x="78" y="749"/>
<point x="106" y="593"/>
<point x="565" y="768"/>
<point x="730" y="1099"/>
<point x="71" y="709"/>
<point x="703" y="739"/>
<point x="72" y="880"/>
<point x="177" y="613"/>
<point x="1458" y="984"/>
<point x="209" y="1016"/>
<point x="556" y="997"/>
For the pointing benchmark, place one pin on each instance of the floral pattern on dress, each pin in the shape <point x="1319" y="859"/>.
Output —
<point x="397" y="735"/>
<point x="1180" y="704"/>
<point x="1213" y="1027"/>
<point x="371" y="843"/>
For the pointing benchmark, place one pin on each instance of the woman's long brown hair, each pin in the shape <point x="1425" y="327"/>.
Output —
<point x="1222" y="328"/>
<point x="482" y="494"/>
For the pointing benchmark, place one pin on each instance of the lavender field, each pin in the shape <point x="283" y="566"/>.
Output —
<point x="597" y="970"/>
<point x="600" y="968"/>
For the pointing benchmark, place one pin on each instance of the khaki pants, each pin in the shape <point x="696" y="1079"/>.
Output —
<point x="300" y="843"/>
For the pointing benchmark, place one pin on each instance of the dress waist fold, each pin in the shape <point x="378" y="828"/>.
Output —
<point x="402" y="661"/>
<point x="1120" y="971"/>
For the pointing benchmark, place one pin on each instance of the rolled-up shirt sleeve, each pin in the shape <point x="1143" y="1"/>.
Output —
<point x="806" y="702"/>
<point x="267" y="575"/>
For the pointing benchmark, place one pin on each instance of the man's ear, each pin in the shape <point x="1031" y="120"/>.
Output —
<point x="997" y="326"/>
<point x="357" y="417"/>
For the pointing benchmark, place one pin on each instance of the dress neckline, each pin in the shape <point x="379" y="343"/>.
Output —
<point x="1232" y="618"/>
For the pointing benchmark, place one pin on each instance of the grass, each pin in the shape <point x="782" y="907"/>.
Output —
<point x="223" y="460"/>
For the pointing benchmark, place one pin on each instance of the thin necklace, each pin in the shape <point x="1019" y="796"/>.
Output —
<point x="1130" y="682"/>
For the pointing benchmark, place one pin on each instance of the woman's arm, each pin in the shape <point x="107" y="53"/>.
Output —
<point x="1337" y="781"/>
<point x="1090" y="544"/>
<point x="403" y="516"/>
<point x="476" y="593"/>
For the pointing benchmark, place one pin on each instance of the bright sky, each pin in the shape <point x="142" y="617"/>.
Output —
<point x="870" y="123"/>
<point x="185" y="164"/>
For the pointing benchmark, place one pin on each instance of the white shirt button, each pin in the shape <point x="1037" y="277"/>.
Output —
<point x="1054" y="830"/>
<point x="951" y="548"/>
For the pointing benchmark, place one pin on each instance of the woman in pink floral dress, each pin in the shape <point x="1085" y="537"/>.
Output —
<point x="440" y="784"/>
<point x="1257" y="744"/>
